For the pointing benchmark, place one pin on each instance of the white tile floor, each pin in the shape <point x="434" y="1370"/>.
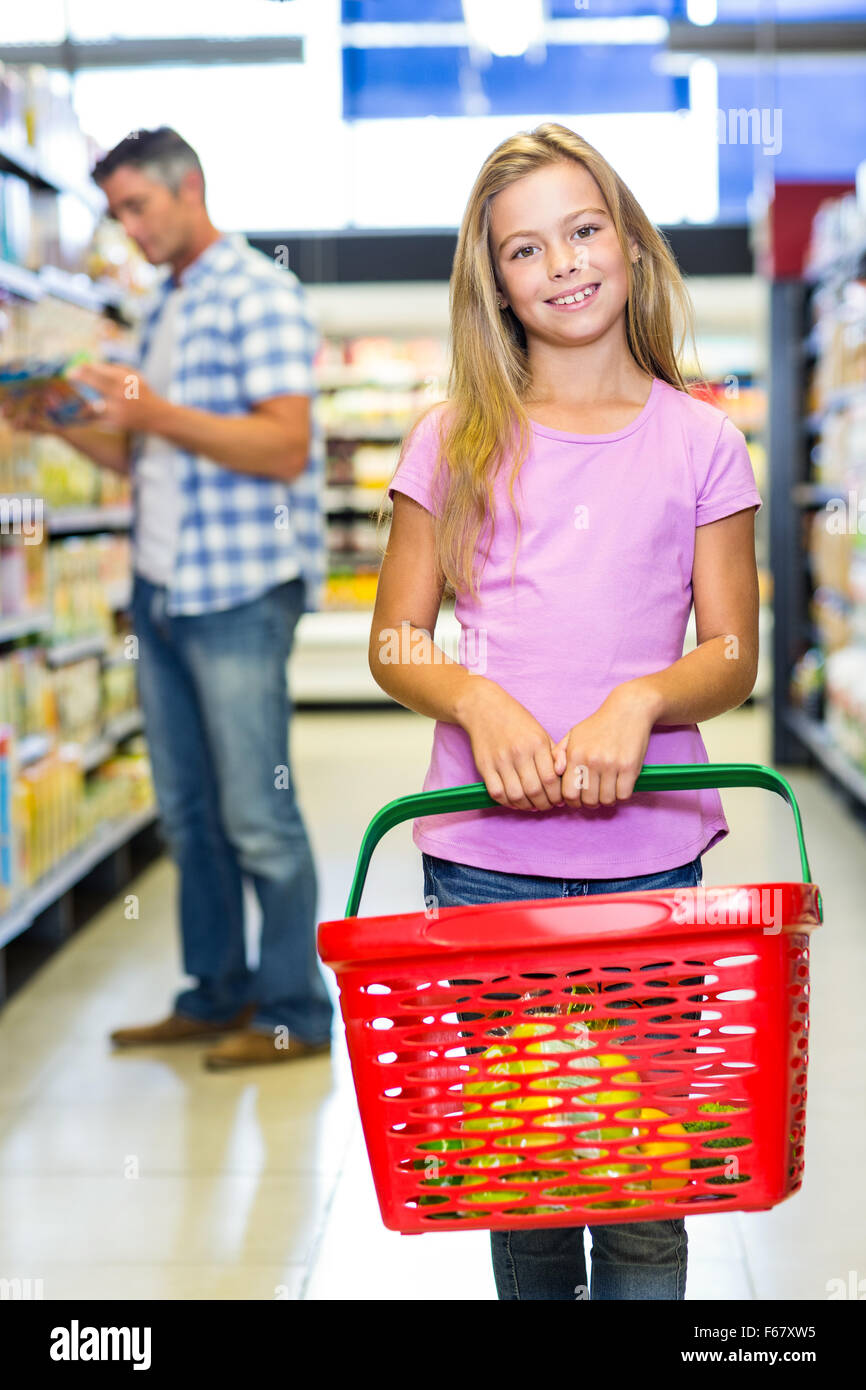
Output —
<point x="140" y="1175"/>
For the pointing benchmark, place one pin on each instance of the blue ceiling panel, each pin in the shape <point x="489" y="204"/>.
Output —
<point x="588" y="79"/>
<point x="451" y="11"/>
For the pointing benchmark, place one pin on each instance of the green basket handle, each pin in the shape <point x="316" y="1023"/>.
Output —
<point x="475" y="796"/>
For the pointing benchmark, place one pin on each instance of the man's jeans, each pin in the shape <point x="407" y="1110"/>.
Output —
<point x="214" y="694"/>
<point x="632" y="1259"/>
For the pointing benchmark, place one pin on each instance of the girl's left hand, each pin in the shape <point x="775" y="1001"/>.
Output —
<point x="599" y="760"/>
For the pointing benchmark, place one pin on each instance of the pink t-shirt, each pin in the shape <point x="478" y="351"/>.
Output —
<point x="602" y="594"/>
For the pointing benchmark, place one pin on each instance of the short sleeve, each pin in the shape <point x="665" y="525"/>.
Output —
<point x="276" y="340"/>
<point x="728" y="485"/>
<point x="414" y="472"/>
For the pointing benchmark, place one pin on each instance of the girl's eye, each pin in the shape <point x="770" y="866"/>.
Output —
<point x="587" y="227"/>
<point x="518" y="255"/>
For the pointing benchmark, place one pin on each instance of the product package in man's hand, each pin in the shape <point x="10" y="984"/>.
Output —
<point x="41" y="386"/>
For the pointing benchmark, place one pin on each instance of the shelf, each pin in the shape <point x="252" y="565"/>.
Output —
<point x="16" y="625"/>
<point x="33" y="747"/>
<point x="334" y="380"/>
<point x="120" y="599"/>
<point x="21" y="160"/>
<point x="816" y="738"/>
<point x="70" y="870"/>
<point x="72" y="521"/>
<point x="816" y="494"/>
<point x="837" y="400"/>
<point x="78" y="288"/>
<point x="75" y="649"/>
<point x="368" y="434"/>
<point x="123" y="726"/>
<point x="347" y="497"/>
<point x="25" y="283"/>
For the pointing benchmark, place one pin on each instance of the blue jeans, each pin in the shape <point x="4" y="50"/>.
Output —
<point x="633" y="1259"/>
<point x="214" y="695"/>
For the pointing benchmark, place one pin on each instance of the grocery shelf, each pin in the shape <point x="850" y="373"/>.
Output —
<point x="816" y="494"/>
<point x="95" y="753"/>
<point x="795" y="354"/>
<point x="75" y="649"/>
<point x="368" y="434"/>
<point x="339" y="497"/>
<point x="21" y="160"/>
<point x="819" y="741"/>
<point x="18" y="280"/>
<point x="337" y="378"/>
<point x="123" y="725"/>
<point x="71" y="521"/>
<point x="13" y="625"/>
<point x="70" y="870"/>
<point x="33" y="747"/>
<point x="119" y="599"/>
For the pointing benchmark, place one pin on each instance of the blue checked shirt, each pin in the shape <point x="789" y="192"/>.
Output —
<point x="243" y="335"/>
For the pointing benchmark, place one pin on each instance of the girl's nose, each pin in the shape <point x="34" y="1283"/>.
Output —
<point x="569" y="258"/>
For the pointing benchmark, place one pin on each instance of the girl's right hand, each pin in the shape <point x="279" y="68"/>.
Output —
<point x="512" y="752"/>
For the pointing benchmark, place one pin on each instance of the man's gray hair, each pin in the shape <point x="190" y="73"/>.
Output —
<point x="161" y="154"/>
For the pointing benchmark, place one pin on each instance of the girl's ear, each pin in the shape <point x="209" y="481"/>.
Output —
<point x="635" y="251"/>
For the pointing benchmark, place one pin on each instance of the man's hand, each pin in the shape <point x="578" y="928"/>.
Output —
<point x="127" y="402"/>
<point x="599" y="760"/>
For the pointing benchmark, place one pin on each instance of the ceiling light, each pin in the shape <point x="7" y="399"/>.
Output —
<point x="507" y="28"/>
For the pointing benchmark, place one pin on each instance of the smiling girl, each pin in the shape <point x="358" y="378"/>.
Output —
<point x="577" y="500"/>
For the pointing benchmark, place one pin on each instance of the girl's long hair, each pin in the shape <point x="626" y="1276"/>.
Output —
<point x="485" y="420"/>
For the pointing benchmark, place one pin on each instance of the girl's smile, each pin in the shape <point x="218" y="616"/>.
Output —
<point x="577" y="298"/>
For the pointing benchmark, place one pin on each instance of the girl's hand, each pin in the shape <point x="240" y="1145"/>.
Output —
<point x="512" y="752"/>
<point x="599" y="760"/>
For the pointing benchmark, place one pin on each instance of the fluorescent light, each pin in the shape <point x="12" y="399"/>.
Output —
<point x="702" y="11"/>
<point x="507" y="28"/>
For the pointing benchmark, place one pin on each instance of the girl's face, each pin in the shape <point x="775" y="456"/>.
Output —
<point x="556" y="255"/>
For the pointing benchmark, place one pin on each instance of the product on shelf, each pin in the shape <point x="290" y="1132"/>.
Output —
<point x="27" y="700"/>
<point x="7" y="844"/>
<point x="90" y="577"/>
<point x="23" y="573"/>
<point x="46" y="796"/>
<point x="845" y="704"/>
<point x="119" y="690"/>
<point x="78" y="697"/>
<point x="120" y="787"/>
<point x="350" y="590"/>
<point x="839" y="334"/>
<point x="807" y="683"/>
<point x="838" y="232"/>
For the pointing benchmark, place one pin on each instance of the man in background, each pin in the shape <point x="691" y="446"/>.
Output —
<point x="228" y="550"/>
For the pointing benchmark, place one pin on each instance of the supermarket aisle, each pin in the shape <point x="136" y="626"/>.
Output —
<point x="142" y="1176"/>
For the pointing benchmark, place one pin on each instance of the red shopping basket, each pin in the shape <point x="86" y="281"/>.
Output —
<point x="575" y="1061"/>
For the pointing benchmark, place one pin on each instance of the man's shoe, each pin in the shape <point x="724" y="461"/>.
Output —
<point x="177" y="1028"/>
<point x="248" y="1049"/>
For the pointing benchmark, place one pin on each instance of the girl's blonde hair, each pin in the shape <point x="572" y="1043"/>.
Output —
<point x="489" y="377"/>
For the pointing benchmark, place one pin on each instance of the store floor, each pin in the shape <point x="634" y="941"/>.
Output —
<point x="140" y="1175"/>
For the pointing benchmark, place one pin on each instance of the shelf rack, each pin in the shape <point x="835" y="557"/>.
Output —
<point x="798" y="739"/>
